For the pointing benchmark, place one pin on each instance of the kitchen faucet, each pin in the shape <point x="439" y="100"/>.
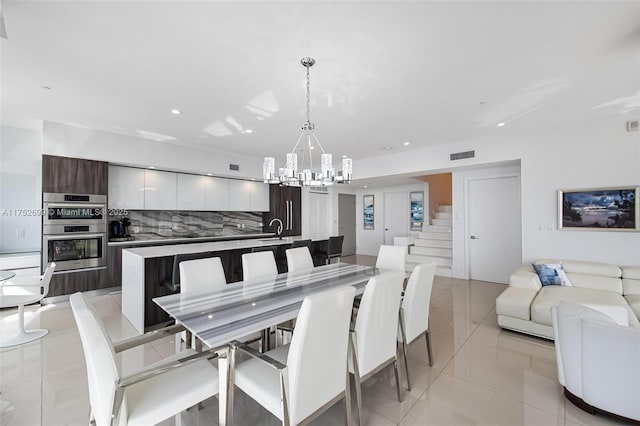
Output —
<point x="279" y="231"/>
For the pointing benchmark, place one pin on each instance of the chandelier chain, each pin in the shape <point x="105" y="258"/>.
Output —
<point x="308" y="96"/>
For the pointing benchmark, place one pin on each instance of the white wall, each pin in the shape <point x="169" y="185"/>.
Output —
<point x="368" y="241"/>
<point x="583" y="155"/>
<point x="20" y="190"/>
<point x="79" y="142"/>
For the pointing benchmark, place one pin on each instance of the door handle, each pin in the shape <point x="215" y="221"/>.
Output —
<point x="473" y="237"/>
<point x="386" y="229"/>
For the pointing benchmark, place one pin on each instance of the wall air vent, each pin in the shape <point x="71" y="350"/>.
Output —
<point x="319" y="189"/>
<point x="632" y="126"/>
<point x="234" y="167"/>
<point x="461" y="155"/>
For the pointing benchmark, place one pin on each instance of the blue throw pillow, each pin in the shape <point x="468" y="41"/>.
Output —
<point x="551" y="274"/>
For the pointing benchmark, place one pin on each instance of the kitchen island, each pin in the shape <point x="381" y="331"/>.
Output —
<point x="146" y="269"/>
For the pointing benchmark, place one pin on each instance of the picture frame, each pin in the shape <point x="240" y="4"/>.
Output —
<point x="368" y="211"/>
<point x="599" y="209"/>
<point x="416" y="210"/>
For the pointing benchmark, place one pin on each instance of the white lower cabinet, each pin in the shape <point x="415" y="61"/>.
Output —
<point x="160" y="189"/>
<point x="191" y="194"/>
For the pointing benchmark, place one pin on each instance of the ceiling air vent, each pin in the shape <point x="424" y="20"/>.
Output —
<point x="234" y="167"/>
<point x="461" y="155"/>
<point x="632" y="126"/>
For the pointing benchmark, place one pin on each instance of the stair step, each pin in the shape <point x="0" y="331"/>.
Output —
<point x="442" y="271"/>
<point x="431" y="251"/>
<point x="441" y="222"/>
<point x="419" y="258"/>
<point x="435" y="236"/>
<point x="436" y="228"/>
<point x="427" y="242"/>
<point x="444" y="215"/>
<point x="444" y="209"/>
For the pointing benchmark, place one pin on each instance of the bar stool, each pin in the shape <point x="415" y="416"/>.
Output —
<point x="334" y="249"/>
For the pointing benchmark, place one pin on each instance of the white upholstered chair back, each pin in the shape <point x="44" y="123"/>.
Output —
<point x="201" y="274"/>
<point x="46" y="278"/>
<point x="299" y="259"/>
<point x="568" y="341"/>
<point x="317" y="359"/>
<point x="417" y="297"/>
<point x="258" y="265"/>
<point x="377" y="321"/>
<point x="102" y="371"/>
<point x="391" y="257"/>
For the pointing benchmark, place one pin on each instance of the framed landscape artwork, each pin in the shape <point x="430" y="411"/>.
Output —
<point x="599" y="209"/>
<point x="417" y="210"/>
<point x="367" y="207"/>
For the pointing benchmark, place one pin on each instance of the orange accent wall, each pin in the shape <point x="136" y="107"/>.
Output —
<point x="439" y="190"/>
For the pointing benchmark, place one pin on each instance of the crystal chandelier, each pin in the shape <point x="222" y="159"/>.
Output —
<point x="290" y="174"/>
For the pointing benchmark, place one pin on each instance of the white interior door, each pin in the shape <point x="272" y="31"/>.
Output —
<point x="495" y="230"/>
<point x="396" y="215"/>
<point x="347" y="222"/>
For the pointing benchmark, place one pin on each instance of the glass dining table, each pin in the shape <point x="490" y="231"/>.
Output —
<point x="220" y="316"/>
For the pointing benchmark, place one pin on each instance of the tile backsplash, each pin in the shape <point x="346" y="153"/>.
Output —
<point x="159" y="224"/>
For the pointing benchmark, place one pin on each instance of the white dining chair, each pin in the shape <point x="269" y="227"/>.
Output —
<point x="297" y="382"/>
<point x="201" y="274"/>
<point x="375" y="334"/>
<point x="414" y="311"/>
<point x="258" y="265"/>
<point x="20" y="291"/>
<point x="149" y="396"/>
<point x="299" y="260"/>
<point x="391" y="257"/>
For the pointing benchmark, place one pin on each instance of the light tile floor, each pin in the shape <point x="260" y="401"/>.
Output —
<point x="482" y="375"/>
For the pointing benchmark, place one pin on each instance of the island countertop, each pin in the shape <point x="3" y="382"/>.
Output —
<point x="173" y="249"/>
<point x="187" y="240"/>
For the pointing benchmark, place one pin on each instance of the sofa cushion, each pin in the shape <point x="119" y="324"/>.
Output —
<point x="516" y="302"/>
<point x="551" y="295"/>
<point x="631" y="272"/>
<point x="634" y="303"/>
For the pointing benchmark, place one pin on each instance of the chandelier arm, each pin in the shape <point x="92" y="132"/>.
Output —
<point x="308" y="96"/>
<point x="297" y="143"/>
<point x="318" y="142"/>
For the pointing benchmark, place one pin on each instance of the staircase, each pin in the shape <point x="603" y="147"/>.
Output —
<point x="434" y="244"/>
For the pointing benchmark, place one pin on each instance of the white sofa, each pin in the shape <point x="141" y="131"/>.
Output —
<point x="525" y="305"/>
<point x="597" y="356"/>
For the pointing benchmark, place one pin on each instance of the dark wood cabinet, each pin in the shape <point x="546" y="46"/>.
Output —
<point x="285" y="203"/>
<point x="74" y="175"/>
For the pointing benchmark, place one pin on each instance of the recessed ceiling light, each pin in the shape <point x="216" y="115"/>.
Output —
<point x="176" y="111"/>
<point x="387" y="148"/>
<point x="209" y="174"/>
<point x="344" y="156"/>
<point x="406" y="143"/>
<point x="501" y="124"/>
<point x="311" y="147"/>
<point x="46" y="87"/>
<point x="365" y="187"/>
<point x="152" y="167"/>
<point x="249" y="131"/>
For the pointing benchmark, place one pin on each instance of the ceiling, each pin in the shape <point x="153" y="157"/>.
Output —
<point x="386" y="73"/>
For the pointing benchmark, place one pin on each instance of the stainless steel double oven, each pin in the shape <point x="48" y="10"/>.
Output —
<point x="74" y="231"/>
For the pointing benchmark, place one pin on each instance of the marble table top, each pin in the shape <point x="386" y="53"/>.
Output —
<point x="219" y="316"/>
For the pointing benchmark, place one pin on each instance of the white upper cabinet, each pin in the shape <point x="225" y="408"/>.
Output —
<point x="259" y="196"/>
<point x="160" y="190"/>
<point x="126" y="188"/>
<point x="240" y="195"/>
<point x="191" y="192"/>
<point x="216" y="193"/>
